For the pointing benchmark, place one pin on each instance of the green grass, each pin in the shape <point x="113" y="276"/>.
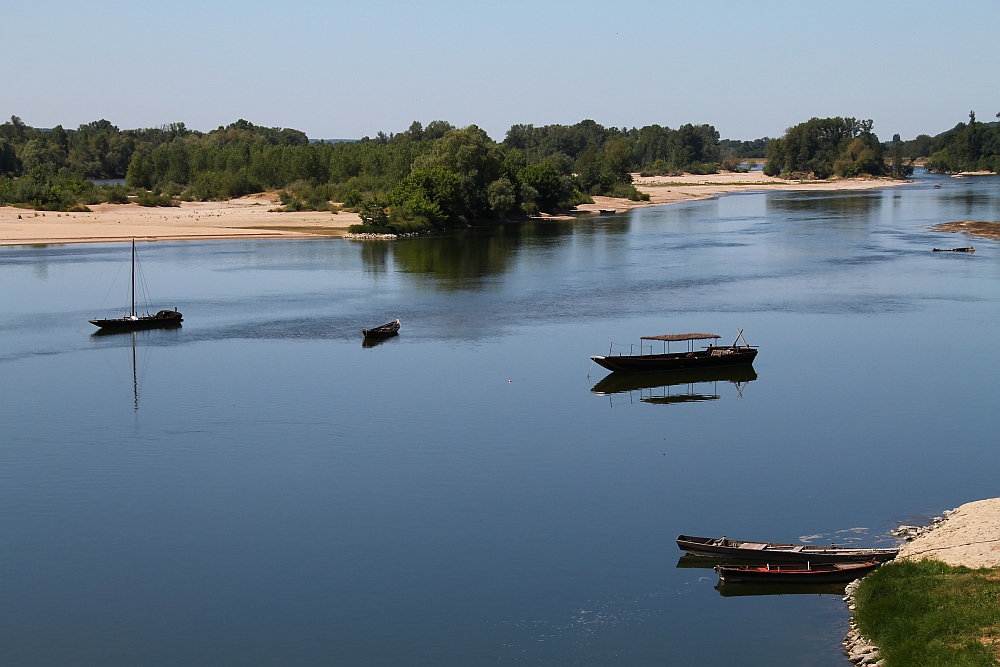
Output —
<point x="928" y="613"/>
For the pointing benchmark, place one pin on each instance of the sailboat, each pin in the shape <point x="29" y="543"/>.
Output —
<point x="132" y="321"/>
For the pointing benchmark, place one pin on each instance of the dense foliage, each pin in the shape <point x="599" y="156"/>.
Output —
<point x="822" y="147"/>
<point x="433" y="176"/>
<point x="972" y="146"/>
<point x="743" y="149"/>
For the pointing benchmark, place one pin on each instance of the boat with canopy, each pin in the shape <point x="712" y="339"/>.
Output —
<point x="711" y="356"/>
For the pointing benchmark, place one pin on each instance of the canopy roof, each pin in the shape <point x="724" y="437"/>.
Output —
<point x="687" y="336"/>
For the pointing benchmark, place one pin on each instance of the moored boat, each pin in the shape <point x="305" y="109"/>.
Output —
<point x="804" y="573"/>
<point x="774" y="552"/>
<point x="712" y="356"/>
<point x="384" y="331"/>
<point x="133" y="321"/>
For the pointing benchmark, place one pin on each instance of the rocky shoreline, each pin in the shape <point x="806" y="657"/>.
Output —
<point x="859" y="649"/>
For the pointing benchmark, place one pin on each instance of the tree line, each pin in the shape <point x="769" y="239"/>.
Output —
<point x="437" y="175"/>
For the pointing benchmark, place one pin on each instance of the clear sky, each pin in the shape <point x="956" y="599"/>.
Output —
<point x="341" y="70"/>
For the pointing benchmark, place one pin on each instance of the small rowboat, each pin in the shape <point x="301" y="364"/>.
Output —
<point x="384" y="331"/>
<point x="773" y="552"/>
<point x="807" y="573"/>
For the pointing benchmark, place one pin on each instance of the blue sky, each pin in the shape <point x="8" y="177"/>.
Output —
<point x="337" y="69"/>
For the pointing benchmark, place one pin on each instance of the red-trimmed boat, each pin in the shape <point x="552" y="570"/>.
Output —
<point x="803" y="573"/>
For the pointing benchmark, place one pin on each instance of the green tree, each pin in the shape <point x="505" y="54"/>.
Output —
<point x="373" y="213"/>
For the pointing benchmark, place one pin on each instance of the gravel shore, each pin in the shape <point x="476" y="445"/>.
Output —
<point x="969" y="536"/>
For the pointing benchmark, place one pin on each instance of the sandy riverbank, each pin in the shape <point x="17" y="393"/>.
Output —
<point x="690" y="187"/>
<point x="986" y="230"/>
<point x="250" y="217"/>
<point x="246" y="217"/>
<point x="970" y="536"/>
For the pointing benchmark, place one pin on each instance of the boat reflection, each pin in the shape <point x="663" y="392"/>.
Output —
<point x="661" y="388"/>
<point x="375" y="342"/>
<point x="731" y="590"/>
<point x="139" y="354"/>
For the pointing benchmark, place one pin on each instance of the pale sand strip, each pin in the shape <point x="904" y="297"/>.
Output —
<point x="690" y="187"/>
<point x="970" y="537"/>
<point x="249" y="217"/>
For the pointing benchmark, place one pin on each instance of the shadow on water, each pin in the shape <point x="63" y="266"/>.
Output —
<point x="973" y="202"/>
<point x="375" y="342"/>
<point x="375" y="256"/>
<point x="854" y="206"/>
<point x="658" y="388"/>
<point x="467" y="258"/>
<point x="138" y="354"/>
<point x="744" y="590"/>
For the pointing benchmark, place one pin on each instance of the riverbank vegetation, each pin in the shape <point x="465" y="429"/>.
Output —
<point x="926" y="613"/>
<point x="972" y="146"/>
<point x="424" y="177"/>
<point x="824" y="147"/>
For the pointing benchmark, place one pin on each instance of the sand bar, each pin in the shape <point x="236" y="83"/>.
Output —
<point x="969" y="537"/>
<point x="244" y="218"/>
<point x="691" y="187"/>
<point x="986" y="230"/>
<point x="251" y="217"/>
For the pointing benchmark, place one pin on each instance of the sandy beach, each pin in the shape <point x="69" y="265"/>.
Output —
<point x="251" y="217"/>
<point x="970" y="536"/>
<point x="691" y="187"/>
<point x="246" y="217"/>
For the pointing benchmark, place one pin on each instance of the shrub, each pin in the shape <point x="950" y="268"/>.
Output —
<point x="147" y="198"/>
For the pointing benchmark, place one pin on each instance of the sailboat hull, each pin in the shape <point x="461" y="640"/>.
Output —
<point x="165" y="319"/>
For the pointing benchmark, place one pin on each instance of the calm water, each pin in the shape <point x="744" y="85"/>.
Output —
<point x="271" y="492"/>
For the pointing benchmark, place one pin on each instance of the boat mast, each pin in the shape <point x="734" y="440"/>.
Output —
<point x="133" y="279"/>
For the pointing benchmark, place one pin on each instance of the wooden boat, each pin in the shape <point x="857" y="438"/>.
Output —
<point x="804" y="573"/>
<point x="967" y="249"/>
<point x="712" y="356"/>
<point x="773" y="552"/>
<point x="132" y="321"/>
<point x="384" y="331"/>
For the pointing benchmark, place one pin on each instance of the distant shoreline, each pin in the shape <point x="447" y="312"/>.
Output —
<point x="250" y="217"/>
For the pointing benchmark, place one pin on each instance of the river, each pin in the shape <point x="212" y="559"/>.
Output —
<point x="258" y="488"/>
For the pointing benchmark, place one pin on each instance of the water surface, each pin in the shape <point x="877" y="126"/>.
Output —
<point x="264" y="490"/>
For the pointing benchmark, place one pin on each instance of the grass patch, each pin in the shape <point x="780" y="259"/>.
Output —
<point x="927" y="614"/>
